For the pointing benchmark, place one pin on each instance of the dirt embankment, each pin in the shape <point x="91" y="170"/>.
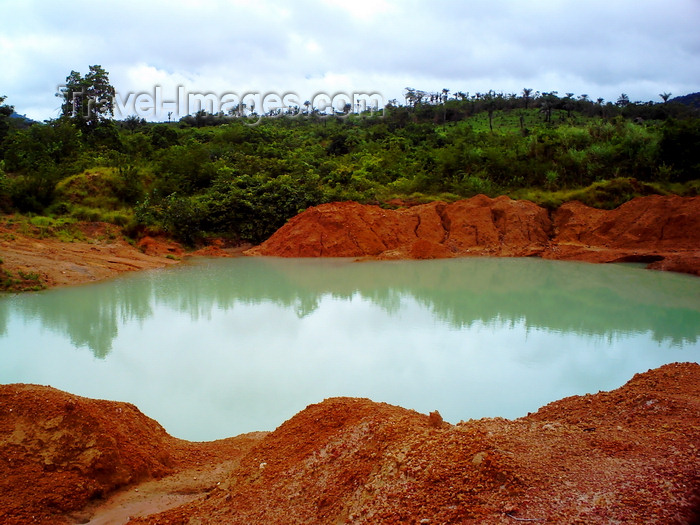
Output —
<point x="663" y="231"/>
<point x="627" y="456"/>
<point x="103" y="254"/>
<point x="100" y="253"/>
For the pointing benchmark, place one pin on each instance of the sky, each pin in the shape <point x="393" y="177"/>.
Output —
<point x="163" y="51"/>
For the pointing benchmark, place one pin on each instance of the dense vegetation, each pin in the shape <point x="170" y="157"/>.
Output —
<point x="219" y="175"/>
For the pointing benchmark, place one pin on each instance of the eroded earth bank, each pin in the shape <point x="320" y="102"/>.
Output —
<point x="663" y="231"/>
<point x="626" y="456"/>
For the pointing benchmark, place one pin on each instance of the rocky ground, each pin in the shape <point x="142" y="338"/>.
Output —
<point x="626" y="456"/>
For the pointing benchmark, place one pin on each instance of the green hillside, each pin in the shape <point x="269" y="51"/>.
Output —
<point x="218" y="175"/>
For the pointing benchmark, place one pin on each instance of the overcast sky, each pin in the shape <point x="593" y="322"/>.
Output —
<point x="601" y="48"/>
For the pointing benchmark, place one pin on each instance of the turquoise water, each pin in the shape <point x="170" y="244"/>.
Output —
<point x="219" y="347"/>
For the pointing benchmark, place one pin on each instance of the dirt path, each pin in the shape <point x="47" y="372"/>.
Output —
<point x="155" y="496"/>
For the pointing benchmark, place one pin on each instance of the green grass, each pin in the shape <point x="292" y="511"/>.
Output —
<point x="42" y="226"/>
<point x="22" y="282"/>
<point x="607" y="194"/>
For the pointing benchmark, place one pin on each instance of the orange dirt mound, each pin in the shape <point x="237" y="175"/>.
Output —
<point x="160" y="247"/>
<point x="626" y="456"/>
<point x="59" y="451"/>
<point x="664" y="231"/>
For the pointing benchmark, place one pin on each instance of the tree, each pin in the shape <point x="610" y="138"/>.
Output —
<point x="445" y="95"/>
<point x="549" y="101"/>
<point x="5" y="112"/>
<point x="88" y="99"/>
<point x="665" y="96"/>
<point x="414" y="97"/>
<point x="623" y="101"/>
<point x="678" y="148"/>
<point x="526" y="96"/>
<point x="569" y="104"/>
<point x="490" y="106"/>
<point x="444" y="98"/>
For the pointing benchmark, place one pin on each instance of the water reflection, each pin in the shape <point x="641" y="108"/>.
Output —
<point x="543" y="295"/>
<point x="221" y="347"/>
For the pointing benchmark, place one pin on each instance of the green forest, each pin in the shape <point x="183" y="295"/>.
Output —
<point x="217" y="175"/>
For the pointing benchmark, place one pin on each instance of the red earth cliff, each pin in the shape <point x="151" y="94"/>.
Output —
<point x="664" y="231"/>
<point x="661" y="230"/>
<point x="476" y="226"/>
<point x="631" y="455"/>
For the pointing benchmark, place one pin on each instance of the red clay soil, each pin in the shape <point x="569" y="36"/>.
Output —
<point x="626" y="456"/>
<point x="103" y="255"/>
<point x="60" y="453"/>
<point x="661" y="230"/>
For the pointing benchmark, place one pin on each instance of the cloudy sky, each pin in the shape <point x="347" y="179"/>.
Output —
<point x="601" y="48"/>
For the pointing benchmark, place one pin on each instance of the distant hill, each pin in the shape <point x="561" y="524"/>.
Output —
<point x="692" y="100"/>
<point x="24" y="118"/>
<point x="18" y="121"/>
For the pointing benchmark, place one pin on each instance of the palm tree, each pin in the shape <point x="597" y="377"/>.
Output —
<point x="665" y="96"/>
<point x="526" y="96"/>
<point x="445" y="95"/>
<point x="569" y="104"/>
<point x="490" y="106"/>
<point x="549" y="100"/>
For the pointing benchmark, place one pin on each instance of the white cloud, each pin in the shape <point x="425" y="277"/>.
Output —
<point x="601" y="48"/>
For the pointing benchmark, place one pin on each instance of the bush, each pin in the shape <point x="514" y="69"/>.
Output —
<point x="680" y="148"/>
<point x="34" y="192"/>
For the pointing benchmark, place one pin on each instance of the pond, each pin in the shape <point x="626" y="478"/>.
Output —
<point x="218" y="347"/>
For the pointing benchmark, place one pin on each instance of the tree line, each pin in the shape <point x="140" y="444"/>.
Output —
<point x="214" y="174"/>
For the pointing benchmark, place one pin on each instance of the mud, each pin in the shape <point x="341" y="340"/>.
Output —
<point x="626" y="456"/>
<point x="102" y="253"/>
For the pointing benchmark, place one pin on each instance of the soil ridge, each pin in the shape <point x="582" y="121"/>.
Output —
<point x="629" y="455"/>
<point x="663" y="231"/>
